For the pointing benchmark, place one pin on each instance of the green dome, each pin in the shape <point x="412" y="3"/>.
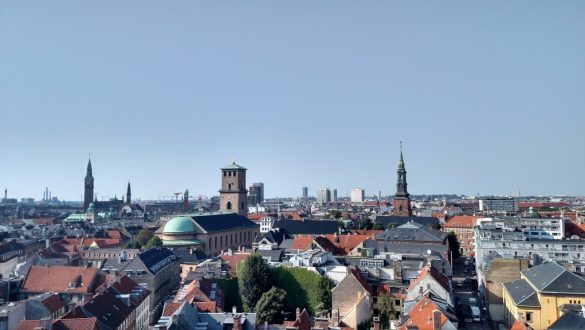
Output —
<point x="179" y="225"/>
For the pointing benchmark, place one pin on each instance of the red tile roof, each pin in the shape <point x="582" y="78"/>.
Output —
<point x="53" y="303"/>
<point x="206" y="306"/>
<point x="435" y="274"/>
<point x="346" y="243"/>
<point x="518" y="325"/>
<point x="57" y="279"/>
<point x="461" y="221"/>
<point x="232" y="260"/>
<point x="574" y="228"/>
<point x="170" y="307"/>
<point x="89" y="323"/>
<point x="301" y="243"/>
<point x="421" y="315"/>
<point x="369" y="232"/>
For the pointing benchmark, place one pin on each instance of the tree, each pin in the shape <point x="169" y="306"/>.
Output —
<point x="254" y="280"/>
<point x="453" y="245"/>
<point x="366" y="223"/>
<point x="270" y="306"/>
<point x="143" y="236"/>
<point x="134" y="245"/>
<point x="324" y="287"/>
<point x="378" y="226"/>
<point x="386" y="309"/>
<point x="336" y="214"/>
<point x="154" y="241"/>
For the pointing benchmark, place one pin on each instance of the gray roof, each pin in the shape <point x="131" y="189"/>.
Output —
<point x="406" y="248"/>
<point x="221" y="221"/>
<point x="552" y="277"/>
<point x="569" y="321"/>
<point x="412" y="231"/>
<point x="274" y="255"/>
<point x="385" y="220"/>
<point x="522" y="293"/>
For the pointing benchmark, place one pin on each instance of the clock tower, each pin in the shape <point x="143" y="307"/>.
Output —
<point x="233" y="195"/>
<point x="88" y="196"/>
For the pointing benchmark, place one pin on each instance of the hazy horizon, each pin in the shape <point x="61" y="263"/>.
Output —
<point x="487" y="97"/>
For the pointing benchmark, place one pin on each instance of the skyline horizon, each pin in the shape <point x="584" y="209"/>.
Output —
<point x="488" y="97"/>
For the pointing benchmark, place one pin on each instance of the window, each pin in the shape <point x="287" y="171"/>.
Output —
<point x="216" y="242"/>
<point x="221" y="241"/>
<point x="528" y="316"/>
<point x="242" y="207"/>
<point x="397" y="302"/>
<point x="224" y="173"/>
<point x="229" y="205"/>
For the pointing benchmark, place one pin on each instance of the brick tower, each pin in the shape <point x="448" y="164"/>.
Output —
<point x="233" y="196"/>
<point x="401" y="198"/>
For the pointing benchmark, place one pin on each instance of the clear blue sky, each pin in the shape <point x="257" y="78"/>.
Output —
<point x="488" y="97"/>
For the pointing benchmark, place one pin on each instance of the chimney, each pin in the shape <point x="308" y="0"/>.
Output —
<point x="46" y="323"/>
<point x="234" y="309"/>
<point x="237" y="322"/>
<point x="376" y="323"/>
<point x="436" y="320"/>
<point x="298" y="313"/>
<point x="87" y="297"/>
<point x="335" y="317"/>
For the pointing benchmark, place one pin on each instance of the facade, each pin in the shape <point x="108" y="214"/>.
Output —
<point x="324" y="195"/>
<point x="462" y="226"/>
<point x="401" y="200"/>
<point x="212" y="232"/>
<point x="498" y="205"/>
<point x="334" y="196"/>
<point x="536" y="299"/>
<point x="233" y="196"/>
<point x="357" y="195"/>
<point x="88" y="195"/>
<point x="305" y="192"/>
<point x="351" y="300"/>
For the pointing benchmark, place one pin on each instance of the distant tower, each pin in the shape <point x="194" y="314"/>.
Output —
<point x="128" y="194"/>
<point x="88" y="197"/>
<point x="401" y="198"/>
<point x="186" y="200"/>
<point x="233" y="193"/>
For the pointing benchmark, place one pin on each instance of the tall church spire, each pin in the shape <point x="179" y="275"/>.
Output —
<point x="128" y="194"/>
<point x="401" y="198"/>
<point x="88" y="196"/>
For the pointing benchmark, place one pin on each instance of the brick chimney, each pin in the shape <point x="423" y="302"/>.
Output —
<point x="237" y="322"/>
<point x="47" y="323"/>
<point x="436" y="320"/>
<point x="376" y="323"/>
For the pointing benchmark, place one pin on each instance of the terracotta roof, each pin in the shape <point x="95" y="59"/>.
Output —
<point x="89" y="323"/>
<point x="53" y="303"/>
<point x="574" y="228"/>
<point x="232" y="260"/>
<point x="191" y="293"/>
<point x="435" y="274"/>
<point x="518" y="325"/>
<point x="421" y="315"/>
<point x="301" y="243"/>
<point x="369" y="232"/>
<point x="114" y="233"/>
<point x="461" y="221"/>
<point x="206" y="307"/>
<point x="346" y="243"/>
<point x="58" y="278"/>
<point x="170" y="308"/>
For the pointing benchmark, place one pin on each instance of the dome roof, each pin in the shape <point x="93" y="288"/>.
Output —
<point x="179" y="225"/>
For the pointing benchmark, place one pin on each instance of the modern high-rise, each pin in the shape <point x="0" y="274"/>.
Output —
<point x="88" y="196"/>
<point x="357" y="195"/>
<point x="256" y="193"/>
<point x="324" y="195"/>
<point x="305" y="192"/>
<point x="498" y="205"/>
<point x="334" y="197"/>
<point x="233" y="193"/>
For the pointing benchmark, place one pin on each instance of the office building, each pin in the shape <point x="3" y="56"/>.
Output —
<point x="505" y="206"/>
<point x="324" y="195"/>
<point x="256" y="193"/>
<point x="357" y="195"/>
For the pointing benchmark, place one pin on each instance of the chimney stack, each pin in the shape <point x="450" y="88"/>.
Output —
<point x="376" y="323"/>
<point x="237" y="322"/>
<point x="46" y="323"/>
<point x="436" y="320"/>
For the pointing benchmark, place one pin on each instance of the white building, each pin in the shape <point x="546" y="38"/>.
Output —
<point x="358" y="195"/>
<point x="324" y="195"/>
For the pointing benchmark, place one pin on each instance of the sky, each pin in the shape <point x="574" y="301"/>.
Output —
<point x="487" y="97"/>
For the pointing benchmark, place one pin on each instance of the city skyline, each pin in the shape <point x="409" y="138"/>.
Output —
<point x="487" y="98"/>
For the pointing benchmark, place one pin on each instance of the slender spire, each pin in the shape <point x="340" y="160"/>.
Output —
<point x="128" y="194"/>
<point x="401" y="161"/>
<point x="89" y="173"/>
<point x="401" y="184"/>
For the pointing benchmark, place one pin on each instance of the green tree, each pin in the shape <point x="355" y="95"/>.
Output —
<point x="366" y="223"/>
<point x="378" y="226"/>
<point x="143" y="236"/>
<point x="324" y="287"/>
<point x="336" y="214"/>
<point x="453" y="245"/>
<point x="154" y="241"/>
<point x="254" y="280"/>
<point x="134" y="245"/>
<point x="270" y="306"/>
<point x="386" y="309"/>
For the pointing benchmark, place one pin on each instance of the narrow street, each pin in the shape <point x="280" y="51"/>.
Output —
<point x="465" y="287"/>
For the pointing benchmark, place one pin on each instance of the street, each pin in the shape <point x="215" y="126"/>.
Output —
<point x="465" y="287"/>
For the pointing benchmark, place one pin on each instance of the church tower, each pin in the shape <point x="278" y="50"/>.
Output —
<point x="401" y="198"/>
<point x="128" y="194"/>
<point x="88" y="196"/>
<point x="233" y="193"/>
